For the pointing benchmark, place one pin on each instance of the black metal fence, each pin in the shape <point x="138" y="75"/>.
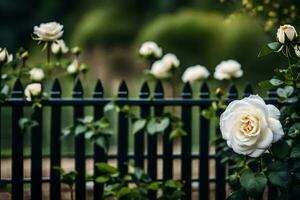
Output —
<point x="145" y="153"/>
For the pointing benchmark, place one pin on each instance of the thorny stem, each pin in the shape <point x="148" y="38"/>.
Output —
<point x="48" y="53"/>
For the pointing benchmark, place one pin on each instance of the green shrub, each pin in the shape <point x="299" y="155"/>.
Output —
<point x="105" y="26"/>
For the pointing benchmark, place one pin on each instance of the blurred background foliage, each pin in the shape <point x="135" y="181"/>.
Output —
<point x="199" y="31"/>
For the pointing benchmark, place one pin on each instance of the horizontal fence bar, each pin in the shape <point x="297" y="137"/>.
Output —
<point x="114" y="156"/>
<point x="130" y="102"/>
<point x="88" y="180"/>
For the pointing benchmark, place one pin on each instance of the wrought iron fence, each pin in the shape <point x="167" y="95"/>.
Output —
<point x="145" y="148"/>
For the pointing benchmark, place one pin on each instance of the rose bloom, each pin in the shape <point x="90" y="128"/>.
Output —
<point x="4" y="56"/>
<point x="171" y="60"/>
<point x="74" y="67"/>
<point x="286" y="30"/>
<point x="160" y="70"/>
<point x="59" y="47"/>
<point x="48" y="32"/>
<point x="195" y="73"/>
<point x="149" y="49"/>
<point x="227" y="70"/>
<point x="250" y="126"/>
<point x="36" y="74"/>
<point x="33" y="90"/>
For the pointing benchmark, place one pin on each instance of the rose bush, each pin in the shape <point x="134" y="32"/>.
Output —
<point x="262" y="144"/>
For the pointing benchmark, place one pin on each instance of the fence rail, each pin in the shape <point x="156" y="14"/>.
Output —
<point x="145" y="148"/>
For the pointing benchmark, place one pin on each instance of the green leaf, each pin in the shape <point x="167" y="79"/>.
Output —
<point x="111" y="106"/>
<point x="104" y="123"/>
<point x="276" y="82"/>
<point x="177" y="133"/>
<point x="294" y="130"/>
<point x="280" y="149"/>
<point x="269" y="48"/>
<point x="157" y="125"/>
<point x="253" y="183"/>
<point x="67" y="131"/>
<point x="27" y="123"/>
<point x="69" y="178"/>
<point x="285" y="92"/>
<point x="102" y="179"/>
<point x="87" y="119"/>
<point x="79" y="129"/>
<point x="107" y="169"/>
<point x="155" y="186"/>
<point x="266" y="85"/>
<point x="278" y="174"/>
<point x="173" y="184"/>
<point x="89" y="134"/>
<point x="102" y="142"/>
<point x="295" y="153"/>
<point x="138" y="125"/>
<point x="59" y="169"/>
<point x="123" y="192"/>
<point x="237" y="195"/>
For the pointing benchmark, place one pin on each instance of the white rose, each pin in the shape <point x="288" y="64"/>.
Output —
<point x="150" y="49"/>
<point x="48" y="32"/>
<point x="250" y="126"/>
<point x="171" y="60"/>
<point x="59" y="47"/>
<point x="160" y="70"/>
<point x="227" y="70"/>
<point x="33" y="90"/>
<point x="286" y="30"/>
<point x="195" y="73"/>
<point x="4" y="56"/>
<point x="74" y="67"/>
<point x="297" y="51"/>
<point x="36" y="74"/>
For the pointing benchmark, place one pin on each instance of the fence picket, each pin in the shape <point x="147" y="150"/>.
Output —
<point x="80" y="188"/>
<point x="139" y="144"/>
<point x="123" y="131"/>
<point x="204" y="148"/>
<point x="36" y="156"/>
<point x="152" y="140"/>
<point x="17" y="144"/>
<point x="186" y="142"/>
<point x="55" y="149"/>
<point x="99" y="154"/>
<point x="248" y="90"/>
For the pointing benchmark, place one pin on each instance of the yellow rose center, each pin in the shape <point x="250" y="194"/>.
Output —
<point x="249" y="125"/>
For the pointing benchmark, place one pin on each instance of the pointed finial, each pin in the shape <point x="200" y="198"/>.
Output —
<point x="145" y="91"/>
<point x="56" y="89"/>
<point x="123" y="90"/>
<point x="204" y="91"/>
<point x="98" y="91"/>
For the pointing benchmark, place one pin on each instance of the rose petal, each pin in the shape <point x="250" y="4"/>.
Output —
<point x="256" y="153"/>
<point x="265" y="140"/>
<point x="276" y="128"/>
<point x="273" y="111"/>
